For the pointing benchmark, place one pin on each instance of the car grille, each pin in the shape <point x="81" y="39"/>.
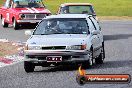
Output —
<point x="34" y="16"/>
<point x="53" y="47"/>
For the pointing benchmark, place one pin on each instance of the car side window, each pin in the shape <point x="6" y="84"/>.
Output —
<point x="95" y="23"/>
<point x="64" y="9"/>
<point x="91" y="25"/>
<point x="61" y="10"/>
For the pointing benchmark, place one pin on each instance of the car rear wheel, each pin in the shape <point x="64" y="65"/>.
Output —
<point x="28" y="66"/>
<point x="15" y="25"/>
<point x="101" y="57"/>
<point x="4" y="24"/>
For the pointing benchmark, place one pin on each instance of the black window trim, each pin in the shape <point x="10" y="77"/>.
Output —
<point x="92" y="22"/>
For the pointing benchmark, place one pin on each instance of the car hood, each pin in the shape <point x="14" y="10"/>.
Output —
<point x="58" y="40"/>
<point x="31" y="10"/>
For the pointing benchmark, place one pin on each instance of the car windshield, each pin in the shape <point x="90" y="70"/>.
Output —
<point x="62" y="26"/>
<point x="28" y="4"/>
<point x="78" y="9"/>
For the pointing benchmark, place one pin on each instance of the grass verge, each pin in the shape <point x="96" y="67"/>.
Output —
<point x="7" y="49"/>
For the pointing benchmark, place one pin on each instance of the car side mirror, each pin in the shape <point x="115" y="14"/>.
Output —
<point x="28" y="32"/>
<point x="95" y="32"/>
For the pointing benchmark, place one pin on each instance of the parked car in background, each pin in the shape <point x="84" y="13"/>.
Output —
<point x="77" y="8"/>
<point x="19" y="12"/>
<point x="64" y="38"/>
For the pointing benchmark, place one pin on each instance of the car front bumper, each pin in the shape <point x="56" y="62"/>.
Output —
<point x="67" y="56"/>
<point x="28" y="21"/>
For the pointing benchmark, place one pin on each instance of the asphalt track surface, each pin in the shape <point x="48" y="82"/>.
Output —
<point x="118" y="47"/>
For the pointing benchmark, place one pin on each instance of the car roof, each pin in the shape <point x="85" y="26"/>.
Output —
<point x="68" y="16"/>
<point x="67" y="4"/>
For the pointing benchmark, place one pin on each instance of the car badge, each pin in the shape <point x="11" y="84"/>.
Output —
<point x="53" y="48"/>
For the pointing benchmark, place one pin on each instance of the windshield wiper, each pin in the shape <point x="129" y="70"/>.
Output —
<point x="51" y="34"/>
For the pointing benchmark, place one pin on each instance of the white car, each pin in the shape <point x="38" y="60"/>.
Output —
<point x="64" y="38"/>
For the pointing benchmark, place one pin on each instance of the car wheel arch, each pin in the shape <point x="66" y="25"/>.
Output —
<point x="13" y="18"/>
<point x="91" y="48"/>
<point x="1" y="16"/>
<point x="103" y="43"/>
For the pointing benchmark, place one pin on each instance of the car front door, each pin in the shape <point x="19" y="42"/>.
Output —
<point x="6" y="8"/>
<point x="97" y="27"/>
<point x="95" y="39"/>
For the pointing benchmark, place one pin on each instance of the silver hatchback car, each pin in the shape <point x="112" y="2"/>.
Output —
<point x="64" y="38"/>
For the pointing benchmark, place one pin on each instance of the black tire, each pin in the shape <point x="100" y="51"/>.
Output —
<point x="28" y="66"/>
<point x="100" y="59"/>
<point x="4" y="24"/>
<point x="15" y="25"/>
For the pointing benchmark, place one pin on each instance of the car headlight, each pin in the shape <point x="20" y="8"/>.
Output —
<point x="22" y="16"/>
<point x="34" y="47"/>
<point x="76" y="47"/>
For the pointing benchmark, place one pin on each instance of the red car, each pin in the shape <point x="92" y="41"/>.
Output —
<point x="19" y="12"/>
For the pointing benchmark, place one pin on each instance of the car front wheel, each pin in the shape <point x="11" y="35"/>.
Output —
<point x="28" y="66"/>
<point x="15" y="25"/>
<point x="4" y="24"/>
<point x="90" y="58"/>
<point x="101" y="57"/>
<point x="89" y="62"/>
